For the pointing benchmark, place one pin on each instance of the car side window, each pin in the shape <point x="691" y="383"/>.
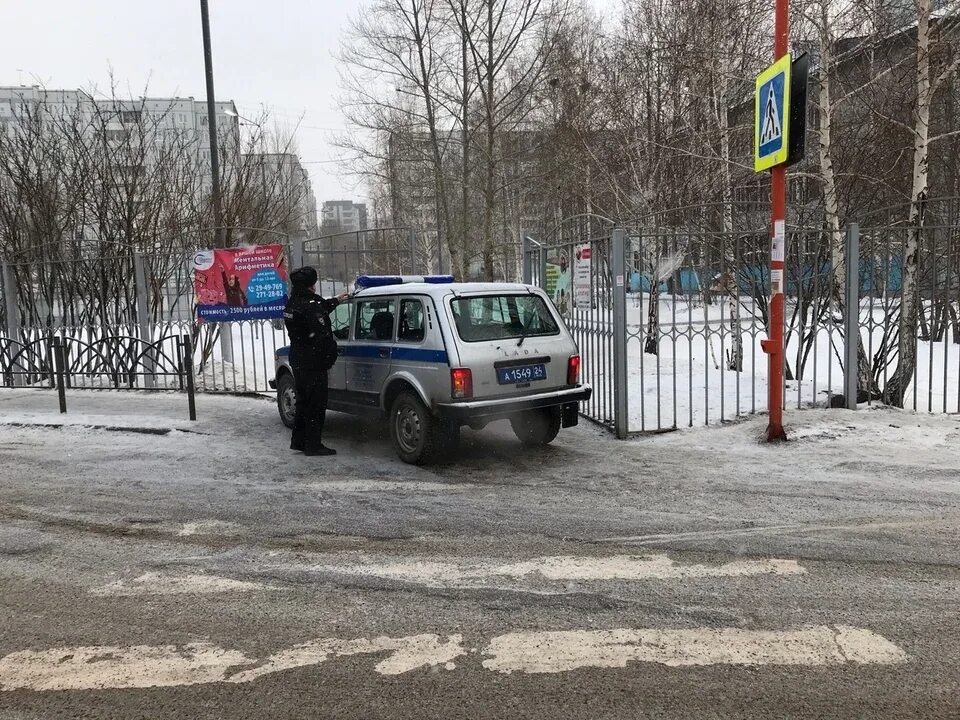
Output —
<point x="412" y="327"/>
<point x="375" y="320"/>
<point x="340" y="321"/>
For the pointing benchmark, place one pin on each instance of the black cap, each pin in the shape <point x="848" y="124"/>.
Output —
<point x="305" y="277"/>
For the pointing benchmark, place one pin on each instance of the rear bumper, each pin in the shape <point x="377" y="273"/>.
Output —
<point x="489" y="410"/>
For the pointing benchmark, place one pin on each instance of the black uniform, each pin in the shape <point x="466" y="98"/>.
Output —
<point x="313" y="350"/>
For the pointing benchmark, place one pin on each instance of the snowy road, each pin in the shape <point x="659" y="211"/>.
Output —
<point x="152" y="567"/>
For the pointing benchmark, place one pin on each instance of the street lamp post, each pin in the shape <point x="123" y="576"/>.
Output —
<point x="212" y="122"/>
<point x="226" y="333"/>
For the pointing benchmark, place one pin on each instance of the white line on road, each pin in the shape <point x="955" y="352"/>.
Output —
<point x="407" y="653"/>
<point x="142" y="666"/>
<point x="861" y="526"/>
<point x="105" y="667"/>
<point x="159" y="584"/>
<point x="561" y="567"/>
<point x="208" y="527"/>
<point x="553" y="652"/>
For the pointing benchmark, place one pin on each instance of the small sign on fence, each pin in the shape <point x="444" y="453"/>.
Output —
<point x="246" y="283"/>
<point x="582" y="269"/>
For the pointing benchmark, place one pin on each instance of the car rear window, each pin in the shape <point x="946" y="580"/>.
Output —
<point x="501" y="317"/>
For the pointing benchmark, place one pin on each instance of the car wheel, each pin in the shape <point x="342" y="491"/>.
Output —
<point x="415" y="432"/>
<point x="287" y="399"/>
<point x="537" y="427"/>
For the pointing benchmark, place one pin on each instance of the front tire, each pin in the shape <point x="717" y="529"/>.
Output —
<point x="287" y="399"/>
<point x="415" y="432"/>
<point x="537" y="427"/>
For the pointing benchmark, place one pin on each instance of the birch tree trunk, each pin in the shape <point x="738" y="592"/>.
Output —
<point x="894" y="392"/>
<point x="865" y="382"/>
<point x="735" y="353"/>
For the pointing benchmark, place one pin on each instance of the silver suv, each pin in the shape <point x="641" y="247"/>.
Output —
<point x="435" y="355"/>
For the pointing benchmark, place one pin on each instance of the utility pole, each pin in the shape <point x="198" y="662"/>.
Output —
<point x="778" y="193"/>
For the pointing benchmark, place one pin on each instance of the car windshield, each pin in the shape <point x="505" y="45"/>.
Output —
<point x="501" y="317"/>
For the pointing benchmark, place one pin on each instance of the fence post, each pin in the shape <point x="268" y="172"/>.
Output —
<point x="851" y="318"/>
<point x="59" y="361"/>
<point x="413" y="253"/>
<point x="187" y="367"/>
<point x="143" y="318"/>
<point x="527" y="260"/>
<point x="543" y="267"/>
<point x="297" y="252"/>
<point x="440" y="259"/>
<point x="12" y="314"/>
<point x="617" y="285"/>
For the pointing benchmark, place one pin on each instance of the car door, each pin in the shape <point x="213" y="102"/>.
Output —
<point x="368" y="365"/>
<point x="340" y="324"/>
<point x="419" y="350"/>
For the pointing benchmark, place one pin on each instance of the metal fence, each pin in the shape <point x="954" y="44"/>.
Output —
<point x="122" y="314"/>
<point x="934" y="328"/>
<point x="669" y="319"/>
<point x="341" y="257"/>
<point x="695" y="308"/>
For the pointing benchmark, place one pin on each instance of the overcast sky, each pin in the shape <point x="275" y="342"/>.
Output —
<point x="280" y="54"/>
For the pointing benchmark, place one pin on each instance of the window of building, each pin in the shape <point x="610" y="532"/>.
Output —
<point x="130" y="117"/>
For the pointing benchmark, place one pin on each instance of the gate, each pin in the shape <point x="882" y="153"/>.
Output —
<point x="584" y="278"/>
<point x="342" y="257"/>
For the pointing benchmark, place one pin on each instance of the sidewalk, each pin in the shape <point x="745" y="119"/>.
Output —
<point x="149" y="412"/>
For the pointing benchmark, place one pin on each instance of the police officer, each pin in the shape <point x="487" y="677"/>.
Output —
<point x="313" y="350"/>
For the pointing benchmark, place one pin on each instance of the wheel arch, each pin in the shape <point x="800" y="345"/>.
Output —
<point x="398" y="384"/>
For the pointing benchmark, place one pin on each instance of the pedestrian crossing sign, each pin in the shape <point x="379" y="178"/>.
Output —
<point x="772" y="116"/>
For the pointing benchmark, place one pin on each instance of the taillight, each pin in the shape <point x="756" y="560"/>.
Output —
<point x="573" y="370"/>
<point x="461" y="383"/>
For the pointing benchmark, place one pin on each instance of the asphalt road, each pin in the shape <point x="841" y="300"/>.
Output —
<point x="154" y="568"/>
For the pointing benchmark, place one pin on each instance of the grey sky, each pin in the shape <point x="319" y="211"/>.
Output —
<point x="279" y="54"/>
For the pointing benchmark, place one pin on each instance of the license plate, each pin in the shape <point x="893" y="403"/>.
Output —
<point x="524" y="374"/>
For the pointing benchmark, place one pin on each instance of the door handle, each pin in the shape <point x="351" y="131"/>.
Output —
<point x="384" y="352"/>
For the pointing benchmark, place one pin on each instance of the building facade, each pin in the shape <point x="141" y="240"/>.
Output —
<point x="344" y="216"/>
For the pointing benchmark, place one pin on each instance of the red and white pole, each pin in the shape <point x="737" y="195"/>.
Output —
<point x="774" y="346"/>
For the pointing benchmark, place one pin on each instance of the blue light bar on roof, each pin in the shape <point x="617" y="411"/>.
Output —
<point x="372" y="281"/>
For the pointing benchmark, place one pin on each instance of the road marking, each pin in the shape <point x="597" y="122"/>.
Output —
<point x="207" y="527"/>
<point x="553" y="652"/>
<point x="408" y="653"/>
<point x="103" y="667"/>
<point x="794" y="529"/>
<point x="142" y="666"/>
<point x="160" y="584"/>
<point x="561" y="567"/>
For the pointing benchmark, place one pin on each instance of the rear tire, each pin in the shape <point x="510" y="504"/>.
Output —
<point x="415" y="432"/>
<point x="287" y="399"/>
<point x="537" y="427"/>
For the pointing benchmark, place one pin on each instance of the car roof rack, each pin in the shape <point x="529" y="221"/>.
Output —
<point x="371" y="281"/>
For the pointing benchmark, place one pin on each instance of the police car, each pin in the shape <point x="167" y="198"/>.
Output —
<point x="433" y="355"/>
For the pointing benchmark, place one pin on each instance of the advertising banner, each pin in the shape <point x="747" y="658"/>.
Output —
<point x="247" y="283"/>
<point x="559" y="288"/>
<point x="582" y="292"/>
